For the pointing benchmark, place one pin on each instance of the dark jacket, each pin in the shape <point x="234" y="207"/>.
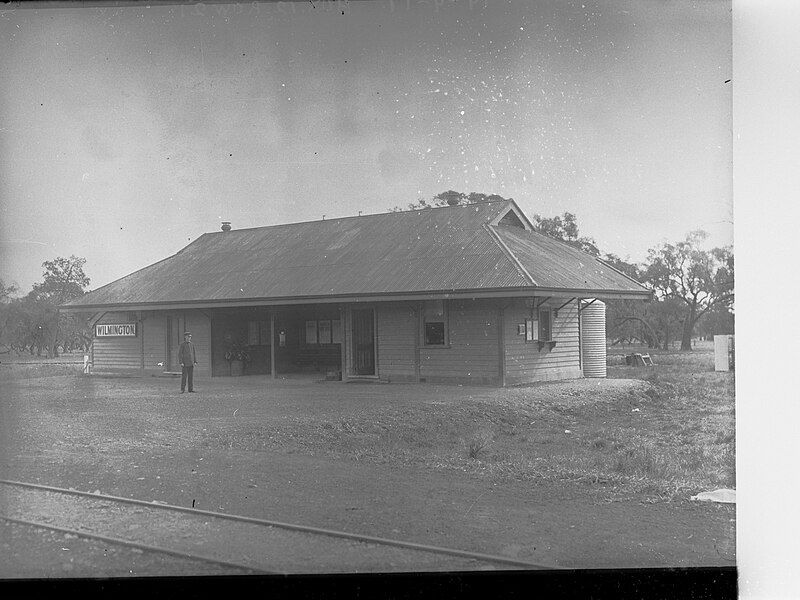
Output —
<point x="186" y="354"/>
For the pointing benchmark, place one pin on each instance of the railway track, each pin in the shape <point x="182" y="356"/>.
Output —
<point x="231" y="541"/>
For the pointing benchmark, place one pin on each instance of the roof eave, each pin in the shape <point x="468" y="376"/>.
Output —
<point x="519" y="292"/>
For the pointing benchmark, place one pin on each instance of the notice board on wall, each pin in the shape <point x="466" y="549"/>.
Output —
<point x="324" y="328"/>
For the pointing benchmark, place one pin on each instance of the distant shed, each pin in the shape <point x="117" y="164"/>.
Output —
<point x="466" y="293"/>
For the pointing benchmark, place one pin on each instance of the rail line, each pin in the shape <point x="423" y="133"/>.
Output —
<point x="137" y="545"/>
<point x="485" y="558"/>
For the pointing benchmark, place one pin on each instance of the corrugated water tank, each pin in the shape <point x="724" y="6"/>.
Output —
<point x="593" y="338"/>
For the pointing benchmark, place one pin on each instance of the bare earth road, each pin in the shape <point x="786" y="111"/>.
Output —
<point x="138" y="438"/>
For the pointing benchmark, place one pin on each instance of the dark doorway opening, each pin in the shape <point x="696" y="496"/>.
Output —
<point x="364" y="341"/>
<point x="246" y="329"/>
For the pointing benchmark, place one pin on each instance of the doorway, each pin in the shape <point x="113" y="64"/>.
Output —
<point x="175" y="327"/>
<point x="363" y="341"/>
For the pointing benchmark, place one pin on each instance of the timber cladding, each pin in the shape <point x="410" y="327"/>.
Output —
<point x="526" y="361"/>
<point x="397" y="323"/>
<point x="154" y="326"/>
<point x="143" y="353"/>
<point x="475" y="353"/>
<point x="472" y="352"/>
<point x="471" y="355"/>
<point x="118" y="353"/>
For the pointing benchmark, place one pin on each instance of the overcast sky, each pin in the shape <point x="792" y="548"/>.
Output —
<point x="125" y="133"/>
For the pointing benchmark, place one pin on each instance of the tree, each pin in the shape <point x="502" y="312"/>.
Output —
<point x="701" y="280"/>
<point x="717" y="321"/>
<point x="64" y="280"/>
<point x="627" y="321"/>
<point x="6" y="292"/>
<point x="623" y="266"/>
<point x="565" y="228"/>
<point x="450" y="198"/>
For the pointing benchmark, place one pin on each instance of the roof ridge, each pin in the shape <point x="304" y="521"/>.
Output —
<point x="388" y="212"/>
<point x="508" y="253"/>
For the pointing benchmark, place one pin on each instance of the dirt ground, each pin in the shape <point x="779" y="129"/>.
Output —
<point x="351" y="457"/>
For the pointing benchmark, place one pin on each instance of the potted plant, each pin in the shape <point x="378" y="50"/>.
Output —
<point x="237" y="356"/>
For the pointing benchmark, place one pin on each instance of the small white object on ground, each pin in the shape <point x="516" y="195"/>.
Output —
<point x="722" y="495"/>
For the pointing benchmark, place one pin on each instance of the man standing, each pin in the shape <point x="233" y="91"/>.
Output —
<point x="188" y="360"/>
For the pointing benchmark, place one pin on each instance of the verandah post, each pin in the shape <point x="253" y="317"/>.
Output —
<point x="272" y="344"/>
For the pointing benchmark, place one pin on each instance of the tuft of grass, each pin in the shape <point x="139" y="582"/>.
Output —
<point x="479" y="443"/>
<point x="725" y="436"/>
<point x="641" y="460"/>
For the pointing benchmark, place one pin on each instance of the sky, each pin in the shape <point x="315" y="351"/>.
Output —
<point x="128" y="132"/>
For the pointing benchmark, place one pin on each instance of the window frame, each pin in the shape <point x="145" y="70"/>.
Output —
<point x="445" y="320"/>
<point x="541" y="311"/>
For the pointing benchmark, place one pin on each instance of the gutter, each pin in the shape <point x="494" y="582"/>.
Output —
<point x="518" y="292"/>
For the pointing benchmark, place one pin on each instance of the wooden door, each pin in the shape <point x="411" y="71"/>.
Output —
<point x="174" y="340"/>
<point x="364" y="341"/>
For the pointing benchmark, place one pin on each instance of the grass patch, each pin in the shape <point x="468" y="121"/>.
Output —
<point x="666" y="431"/>
<point x="38" y="370"/>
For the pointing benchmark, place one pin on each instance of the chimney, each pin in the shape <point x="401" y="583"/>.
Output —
<point x="226" y="226"/>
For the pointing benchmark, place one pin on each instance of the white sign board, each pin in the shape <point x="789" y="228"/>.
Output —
<point x="722" y="352"/>
<point x="115" y="330"/>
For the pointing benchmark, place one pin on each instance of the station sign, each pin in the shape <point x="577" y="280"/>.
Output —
<point x="115" y="330"/>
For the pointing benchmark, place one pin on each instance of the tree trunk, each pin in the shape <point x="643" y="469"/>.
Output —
<point x="54" y="340"/>
<point x="688" y="328"/>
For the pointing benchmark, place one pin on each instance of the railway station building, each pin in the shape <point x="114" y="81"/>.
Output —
<point x="458" y="294"/>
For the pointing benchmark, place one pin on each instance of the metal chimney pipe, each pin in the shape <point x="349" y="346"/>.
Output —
<point x="226" y="226"/>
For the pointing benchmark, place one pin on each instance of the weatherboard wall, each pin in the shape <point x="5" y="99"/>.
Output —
<point x="472" y="354"/>
<point x="143" y="353"/>
<point x="475" y="354"/>
<point x="397" y="341"/>
<point x="477" y="350"/>
<point x="118" y="354"/>
<point x="525" y="361"/>
<point x="155" y="342"/>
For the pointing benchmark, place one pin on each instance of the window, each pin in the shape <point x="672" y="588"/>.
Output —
<point x="545" y="325"/>
<point x="311" y="332"/>
<point x="324" y="328"/>
<point x="434" y="323"/>
<point x="258" y="333"/>
<point x="336" y="331"/>
<point x="323" y="331"/>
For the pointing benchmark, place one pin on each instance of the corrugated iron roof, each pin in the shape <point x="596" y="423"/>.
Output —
<point x="556" y="265"/>
<point x="432" y="250"/>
